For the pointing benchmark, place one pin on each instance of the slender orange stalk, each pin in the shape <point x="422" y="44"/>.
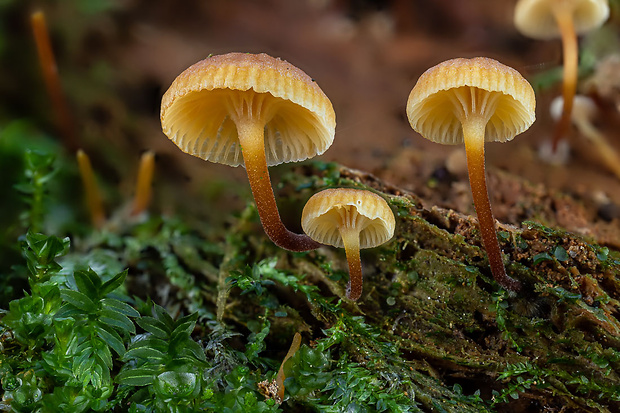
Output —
<point x="253" y="144"/>
<point x="473" y="132"/>
<point x="351" y="240"/>
<point x="63" y="117"/>
<point x="93" y="196"/>
<point x="144" y="182"/>
<point x="281" y="377"/>
<point x="564" y="18"/>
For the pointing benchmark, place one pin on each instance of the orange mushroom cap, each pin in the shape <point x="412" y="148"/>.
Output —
<point x="198" y="109"/>
<point x="433" y="113"/>
<point x="328" y="210"/>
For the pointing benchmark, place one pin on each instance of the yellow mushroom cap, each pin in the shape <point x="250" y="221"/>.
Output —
<point x="433" y="106"/>
<point x="536" y="18"/>
<point x="199" y="109"/>
<point x="330" y="209"/>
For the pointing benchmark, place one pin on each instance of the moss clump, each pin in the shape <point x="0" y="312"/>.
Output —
<point x="432" y="332"/>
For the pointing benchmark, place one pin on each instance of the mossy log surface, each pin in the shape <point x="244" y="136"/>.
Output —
<point x="432" y="331"/>
<point x="453" y="331"/>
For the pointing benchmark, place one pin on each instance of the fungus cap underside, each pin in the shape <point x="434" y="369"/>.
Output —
<point x="535" y="18"/>
<point x="432" y="112"/>
<point x="327" y="210"/>
<point x="198" y="111"/>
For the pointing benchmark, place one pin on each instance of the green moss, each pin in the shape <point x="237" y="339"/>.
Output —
<point x="432" y="332"/>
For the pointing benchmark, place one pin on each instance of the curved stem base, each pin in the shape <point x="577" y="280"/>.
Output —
<point x="251" y="137"/>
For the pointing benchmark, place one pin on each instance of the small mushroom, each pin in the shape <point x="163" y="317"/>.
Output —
<point x="548" y="19"/>
<point x="584" y="110"/>
<point x="470" y="101"/>
<point x="349" y="218"/>
<point x="251" y="110"/>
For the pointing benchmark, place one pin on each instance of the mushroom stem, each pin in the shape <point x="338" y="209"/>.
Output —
<point x="473" y="132"/>
<point x="52" y="81"/>
<point x="351" y="240"/>
<point x="143" y="183"/>
<point x="93" y="196"/>
<point x="605" y="150"/>
<point x="251" y="138"/>
<point x="564" y="18"/>
<point x="280" y="377"/>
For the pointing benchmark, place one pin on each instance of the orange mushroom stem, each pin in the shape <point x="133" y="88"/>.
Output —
<point x="52" y="80"/>
<point x="93" y="196"/>
<point x="564" y="18"/>
<point x="473" y="132"/>
<point x="351" y="241"/>
<point x="144" y="182"/>
<point x="253" y="150"/>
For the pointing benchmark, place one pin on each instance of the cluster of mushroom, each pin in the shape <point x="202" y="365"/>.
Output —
<point x="258" y="111"/>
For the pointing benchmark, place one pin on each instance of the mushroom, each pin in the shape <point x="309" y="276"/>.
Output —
<point x="584" y="110"/>
<point x="349" y="218"/>
<point x="548" y="19"/>
<point x="251" y="110"/>
<point x="470" y="101"/>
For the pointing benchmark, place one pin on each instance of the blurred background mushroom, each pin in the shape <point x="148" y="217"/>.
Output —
<point x="548" y="19"/>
